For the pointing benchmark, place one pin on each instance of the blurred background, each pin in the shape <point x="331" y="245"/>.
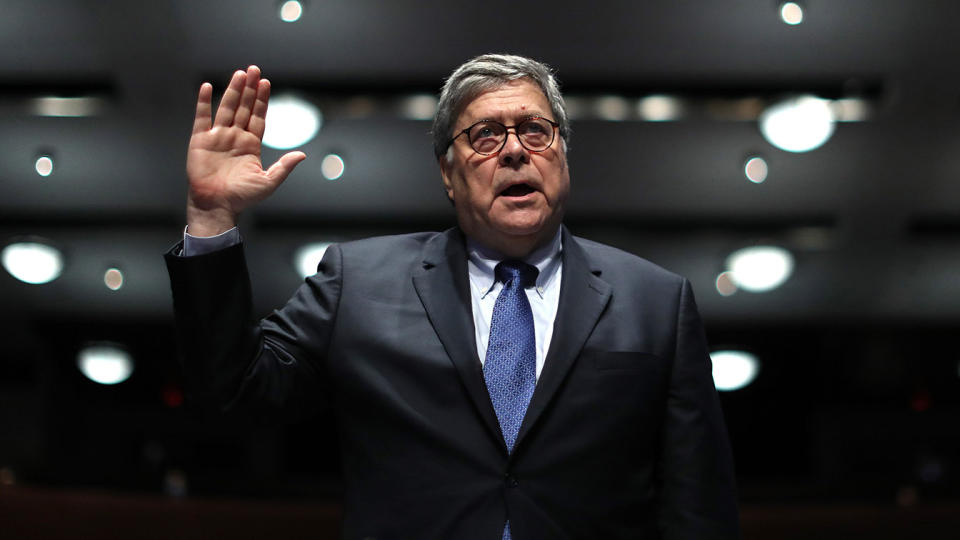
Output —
<point x="798" y="162"/>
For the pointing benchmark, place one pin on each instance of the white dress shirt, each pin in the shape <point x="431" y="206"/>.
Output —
<point x="543" y="297"/>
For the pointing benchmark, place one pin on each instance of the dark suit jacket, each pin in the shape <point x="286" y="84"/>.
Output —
<point x="623" y="438"/>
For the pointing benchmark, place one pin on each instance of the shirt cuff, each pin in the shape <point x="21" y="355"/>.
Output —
<point x="201" y="245"/>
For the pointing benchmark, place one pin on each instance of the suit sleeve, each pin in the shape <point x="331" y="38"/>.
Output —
<point x="234" y="362"/>
<point x="698" y="497"/>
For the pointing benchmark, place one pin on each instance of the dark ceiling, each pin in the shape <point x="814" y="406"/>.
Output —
<point x="879" y="200"/>
<point x="872" y="217"/>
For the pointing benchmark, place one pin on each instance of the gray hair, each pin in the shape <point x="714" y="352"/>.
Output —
<point x="487" y="72"/>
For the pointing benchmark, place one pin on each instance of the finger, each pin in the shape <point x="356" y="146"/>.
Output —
<point x="202" y="121"/>
<point x="284" y="166"/>
<point x="258" y="121"/>
<point x="247" y="98"/>
<point x="230" y="99"/>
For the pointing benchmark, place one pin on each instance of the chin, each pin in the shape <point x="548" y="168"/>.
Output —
<point x="525" y="226"/>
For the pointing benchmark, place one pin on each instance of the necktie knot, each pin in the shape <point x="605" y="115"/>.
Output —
<point x="512" y="269"/>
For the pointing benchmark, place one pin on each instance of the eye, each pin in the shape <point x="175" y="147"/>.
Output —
<point x="485" y="130"/>
<point x="535" y="126"/>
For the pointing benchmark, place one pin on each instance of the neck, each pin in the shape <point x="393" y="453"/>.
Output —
<point x="513" y="247"/>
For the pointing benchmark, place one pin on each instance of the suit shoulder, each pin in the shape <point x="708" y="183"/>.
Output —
<point x="392" y="251"/>
<point x="613" y="261"/>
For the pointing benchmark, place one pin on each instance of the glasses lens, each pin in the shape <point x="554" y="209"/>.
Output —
<point x="486" y="137"/>
<point x="536" y="133"/>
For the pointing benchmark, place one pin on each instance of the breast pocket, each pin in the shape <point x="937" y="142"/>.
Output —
<point x="624" y="360"/>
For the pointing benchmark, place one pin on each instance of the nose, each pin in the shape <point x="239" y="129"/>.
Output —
<point x="513" y="153"/>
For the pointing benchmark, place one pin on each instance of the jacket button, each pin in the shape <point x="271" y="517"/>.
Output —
<point x="511" y="480"/>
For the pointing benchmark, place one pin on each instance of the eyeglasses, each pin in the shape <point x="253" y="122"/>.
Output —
<point x="488" y="137"/>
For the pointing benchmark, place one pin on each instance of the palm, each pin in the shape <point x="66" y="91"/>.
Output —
<point x="223" y="165"/>
<point x="223" y="159"/>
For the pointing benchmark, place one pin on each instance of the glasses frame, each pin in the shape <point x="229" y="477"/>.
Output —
<point x="506" y="129"/>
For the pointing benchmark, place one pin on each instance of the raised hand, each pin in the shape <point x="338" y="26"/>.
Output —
<point x="223" y="159"/>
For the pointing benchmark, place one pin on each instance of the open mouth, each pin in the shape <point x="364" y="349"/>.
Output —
<point x="517" y="190"/>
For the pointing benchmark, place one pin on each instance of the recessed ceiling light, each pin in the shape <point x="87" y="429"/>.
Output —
<point x="612" y="108"/>
<point x="291" y="122"/>
<point x="725" y="284"/>
<point x="332" y="167"/>
<point x="791" y="13"/>
<point x="798" y="124"/>
<point x="659" y="108"/>
<point x="419" y="107"/>
<point x="306" y="259"/>
<point x="113" y="279"/>
<point x="44" y="165"/>
<point x="760" y="268"/>
<point x="66" y="106"/>
<point x="733" y="370"/>
<point x="105" y="363"/>
<point x="32" y="262"/>
<point x="756" y="170"/>
<point x="291" y="11"/>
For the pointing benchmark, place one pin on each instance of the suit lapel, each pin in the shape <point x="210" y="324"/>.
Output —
<point x="444" y="289"/>
<point x="583" y="297"/>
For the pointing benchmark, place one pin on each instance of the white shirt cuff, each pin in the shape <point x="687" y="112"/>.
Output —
<point x="201" y="245"/>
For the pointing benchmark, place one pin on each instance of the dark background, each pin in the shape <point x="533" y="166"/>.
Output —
<point x="850" y="428"/>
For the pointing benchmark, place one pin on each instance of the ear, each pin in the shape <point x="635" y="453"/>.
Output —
<point x="446" y="173"/>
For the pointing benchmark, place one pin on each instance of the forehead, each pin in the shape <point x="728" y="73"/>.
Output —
<point x="511" y="100"/>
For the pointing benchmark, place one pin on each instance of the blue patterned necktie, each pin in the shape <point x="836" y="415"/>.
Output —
<point x="510" y="369"/>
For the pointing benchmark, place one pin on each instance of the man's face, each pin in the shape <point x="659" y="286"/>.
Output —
<point x="511" y="201"/>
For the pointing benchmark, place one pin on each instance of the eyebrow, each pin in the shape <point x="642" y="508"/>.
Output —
<point x="521" y="118"/>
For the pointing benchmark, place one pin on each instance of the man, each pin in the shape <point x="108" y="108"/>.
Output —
<point x="503" y="379"/>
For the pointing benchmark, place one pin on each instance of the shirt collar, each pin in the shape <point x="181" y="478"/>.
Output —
<point x="481" y="261"/>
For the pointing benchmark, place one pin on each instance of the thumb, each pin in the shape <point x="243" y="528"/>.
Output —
<point x="284" y="166"/>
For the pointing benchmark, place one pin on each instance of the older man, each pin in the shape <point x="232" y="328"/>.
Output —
<point x="503" y="379"/>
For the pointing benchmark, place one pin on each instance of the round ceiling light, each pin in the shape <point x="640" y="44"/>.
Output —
<point x="32" y="262"/>
<point x="291" y="122"/>
<point x="733" y="370"/>
<point x="306" y="259"/>
<point x="798" y="124"/>
<point x="105" y="363"/>
<point x="760" y="268"/>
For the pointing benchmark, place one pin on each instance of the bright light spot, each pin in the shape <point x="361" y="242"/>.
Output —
<point x="44" y="165"/>
<point x="798" y="124"/>
<point x="66" y="107"/>
<point x="725" y="284"/>
<point x="105" y="364"/>
<point x="32" y="262"/>
<point x="113" y="279"/>
<point x="331" y="167"/>
<point x="791" y="13"/>
<point x="308" y="257"/>
<point x="419" y="107"/>
<point x="291" y="11"/>
<point x="760" y="268"/>
<point x="291" y="122"/>
<point x="658" y="108"/>
<point x="613" y="108"/>
<point x="756" y="170"/>
<point x="732" y="370"/>
<point x="850" y="109"/>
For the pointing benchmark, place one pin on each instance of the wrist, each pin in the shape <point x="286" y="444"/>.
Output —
<point x="209" y="222"/>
